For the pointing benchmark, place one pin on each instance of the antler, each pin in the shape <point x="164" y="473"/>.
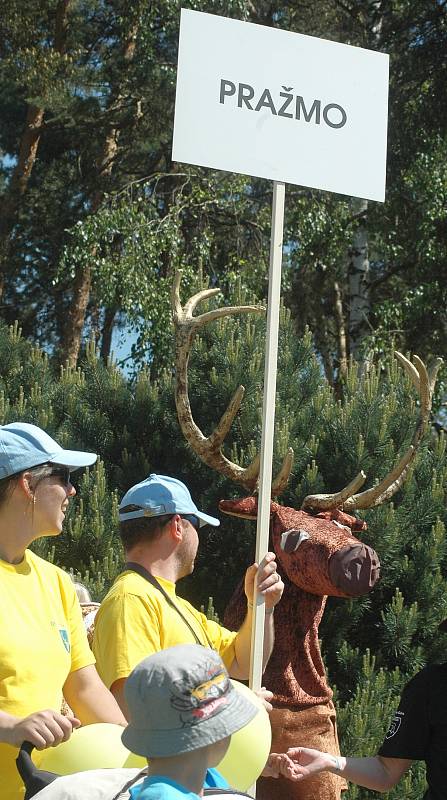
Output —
<point x="208" y="448"/>
<point x="423" y="380"/>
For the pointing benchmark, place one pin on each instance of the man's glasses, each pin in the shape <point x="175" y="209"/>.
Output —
<point x="195" y="522"/>
<point x="63" y="473"/>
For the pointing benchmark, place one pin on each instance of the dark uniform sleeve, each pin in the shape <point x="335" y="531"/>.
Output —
<point x="408" y="734"/>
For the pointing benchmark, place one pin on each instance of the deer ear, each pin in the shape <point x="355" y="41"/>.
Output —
<point x="291" y="540"/>
<point x="244" y="507"/>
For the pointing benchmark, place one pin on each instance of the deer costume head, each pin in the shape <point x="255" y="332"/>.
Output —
<point x="317" y="552"/>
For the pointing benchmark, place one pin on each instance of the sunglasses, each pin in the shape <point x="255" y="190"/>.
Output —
<point x="195" y="522"/>
<point x="63" y="473"/>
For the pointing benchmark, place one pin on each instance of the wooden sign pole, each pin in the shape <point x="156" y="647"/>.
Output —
<point x="268" y="422"/>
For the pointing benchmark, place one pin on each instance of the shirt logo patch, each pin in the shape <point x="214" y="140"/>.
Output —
<point x="395" y="724"/>
<point x="65" y="638"/>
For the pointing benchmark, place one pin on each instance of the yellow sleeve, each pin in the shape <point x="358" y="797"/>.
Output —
<point x="81" y="655"/>
<point x="127" y="629"/>
<point x="221" y="638"/>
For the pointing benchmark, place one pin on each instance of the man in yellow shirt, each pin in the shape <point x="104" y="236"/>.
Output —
<point x="142" y="613"/>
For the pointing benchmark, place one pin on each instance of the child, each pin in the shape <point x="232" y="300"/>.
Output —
<point x="183" y="710"/>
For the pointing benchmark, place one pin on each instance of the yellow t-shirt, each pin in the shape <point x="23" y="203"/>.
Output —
<point x="135" y="620"/>
<point x="42" y="640"/>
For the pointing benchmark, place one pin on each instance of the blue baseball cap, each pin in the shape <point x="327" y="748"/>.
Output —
<point x="159" y="495"/>
<point x="23" y="446"/>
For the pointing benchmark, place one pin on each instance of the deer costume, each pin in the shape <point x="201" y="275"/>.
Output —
<point x="317" y="554"/>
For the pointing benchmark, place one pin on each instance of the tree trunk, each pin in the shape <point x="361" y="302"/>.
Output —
<point x="359" y="278"/>
<point x="26" y="158"/>
<point x="107" y="332"/>
<point x="81" y="289"/>
<point x="359" y="281"/>
<point x="76" y="315"/>
<point x="341" y="332"/>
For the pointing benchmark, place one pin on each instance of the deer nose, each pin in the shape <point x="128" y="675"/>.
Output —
<point x="354" y="569"/>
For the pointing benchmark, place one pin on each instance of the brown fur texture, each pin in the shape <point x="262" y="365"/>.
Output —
<point x="330" y="561"/>
<point x="312" y="727"/>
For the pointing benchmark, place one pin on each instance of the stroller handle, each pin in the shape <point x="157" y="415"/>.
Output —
<point x="33" y="778"/>
<point x="25" y="764"/>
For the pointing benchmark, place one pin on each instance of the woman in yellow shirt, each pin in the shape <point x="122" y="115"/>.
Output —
<point x="44" y="653"/>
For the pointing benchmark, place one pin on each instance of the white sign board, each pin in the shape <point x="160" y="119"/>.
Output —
<point x="265" y="102"/>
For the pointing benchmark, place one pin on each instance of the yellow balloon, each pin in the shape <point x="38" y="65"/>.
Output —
<point x="97" y="746"/>
<point x="135" y="762"/>
<point x="249" y="748"/>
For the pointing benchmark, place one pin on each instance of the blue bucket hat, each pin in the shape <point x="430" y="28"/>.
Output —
<point x="23" y="446"/>
<point x="159" y="495"/>
<point x="182" y="699"/>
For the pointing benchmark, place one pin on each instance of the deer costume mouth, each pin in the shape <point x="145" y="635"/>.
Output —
<point x="354" y="569"/>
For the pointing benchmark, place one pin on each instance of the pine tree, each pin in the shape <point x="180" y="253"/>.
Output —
<point x="371" y="645"/>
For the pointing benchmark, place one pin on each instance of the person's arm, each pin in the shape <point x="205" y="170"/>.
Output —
<point x="86" y="694"/>
<point x="127" y="629"/>
<point x="117" y="689"/>
<point x="377" y="772"/>
<point x="408" y="735"/>
<point x="240" y="668"/>
<point x="43" y="728"/>
<point x="271" y="587"/>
